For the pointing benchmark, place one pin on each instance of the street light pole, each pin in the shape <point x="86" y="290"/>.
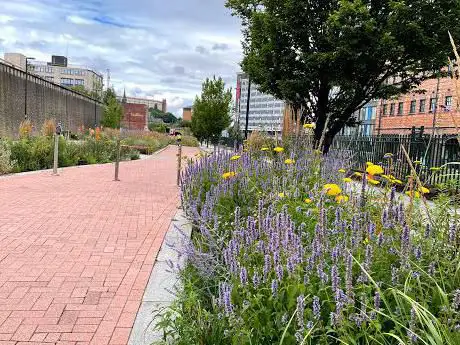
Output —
<point x="27" y="79"/>
<point x="247" y="110"/>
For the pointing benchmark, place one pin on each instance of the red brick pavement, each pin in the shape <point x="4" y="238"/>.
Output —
<point x="76" y="250"/>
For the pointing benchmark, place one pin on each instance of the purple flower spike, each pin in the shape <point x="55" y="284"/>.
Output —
<point x="243" y="276"/>
<point x="279" y="272"/>
<point x="316" y="307"/>
<point x="300" y="311"/>
<point x="274" y="287"/>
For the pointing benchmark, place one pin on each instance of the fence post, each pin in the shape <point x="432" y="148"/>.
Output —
<point x="179" y="159"/>
<point x="117" y="160"/>
<point x="56" y="153"/>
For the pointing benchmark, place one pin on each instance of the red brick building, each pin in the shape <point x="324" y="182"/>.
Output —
<point x="135" y="116"/>
<point x="399" y="115"/>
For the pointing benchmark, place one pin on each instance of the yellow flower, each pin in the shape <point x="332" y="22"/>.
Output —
<point x="264" y="149"/>
<point x="374" y="170"/>
<point x="278" y="149"/>
<point x="289" y="161"/>
<point x="347" y="180"/>
<point x="341" y="198"/>
<point x="308" y="201"/>
<point x="415" y="195"/>
<point x="374" y="182"/>
<point x="366" y="240"/>
<point x="424" y="190"/>
<point x="358" y="174"/>
<point x="281" y="195"/>
<point x="386" y="177"/>
<point x="229" y="174"/>
<point x="332" y="189"/>
<point x="235" y="158"/>
<point x="309" y="125"/>
<point x="397" y="181"/>
<point x="369" y="164"/>
<point x="343" y="171"/>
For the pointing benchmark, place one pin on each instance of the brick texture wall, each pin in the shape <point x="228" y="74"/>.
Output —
<point x="402" y="123"/>
<point x="134" y="116"/>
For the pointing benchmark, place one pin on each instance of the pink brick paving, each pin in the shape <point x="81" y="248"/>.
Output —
<point x="76" y="250"/>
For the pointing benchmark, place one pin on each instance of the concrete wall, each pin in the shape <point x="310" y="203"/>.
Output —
<point x="44" y="100"/>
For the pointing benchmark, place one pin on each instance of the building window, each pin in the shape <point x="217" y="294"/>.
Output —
<point x="422" y="106"/>
<point x="413" y="106"/>
<point x="385" y="109"/>
<point x="392" y="109"/>
<point x="448" y="102"/>
<point x="79" y="82"/>
<point x="432" y="104"/>
<point x="400" y="108"/>
<point x="67" y="81"/>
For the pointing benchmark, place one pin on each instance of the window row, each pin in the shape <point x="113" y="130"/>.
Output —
<point x="74" y="71"/>
<point x="389" y="109"/>
<point x="71" y="82"/>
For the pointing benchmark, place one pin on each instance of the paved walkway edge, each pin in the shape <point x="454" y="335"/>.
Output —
<point x="163" y="281"/>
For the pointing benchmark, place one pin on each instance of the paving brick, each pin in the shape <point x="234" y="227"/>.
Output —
<point x="72" y="269"/>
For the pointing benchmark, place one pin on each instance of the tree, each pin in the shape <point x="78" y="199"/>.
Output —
<point x="81" y="89"/>
<point x="113" y="111"/>
<point x="108" y="95"/>
<point x="166" y="117"/>
<point x="211" y="111"/>
<point x="329" y="58"/>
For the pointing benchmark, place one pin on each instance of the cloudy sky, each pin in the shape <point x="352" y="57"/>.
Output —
<point x="159" y="48"/>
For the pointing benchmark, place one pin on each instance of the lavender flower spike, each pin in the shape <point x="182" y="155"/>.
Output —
<point x="316" y="307"/>
<point x="300" y="311"/>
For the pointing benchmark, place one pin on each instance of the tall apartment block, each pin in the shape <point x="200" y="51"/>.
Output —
<point x="58" y="71"/>
<point x="265" y="111"/>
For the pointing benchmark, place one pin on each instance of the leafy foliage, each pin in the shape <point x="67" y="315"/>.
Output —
<point x="329" y="58"/>
<point x="211" y="110"/>
<point x="113" y="114"/>
<point x="166" y="117"/>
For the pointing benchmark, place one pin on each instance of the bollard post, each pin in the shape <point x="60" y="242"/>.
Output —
<point x="117" y="160"/>
<point x="179" y="159"/>
<point x="56" y="154"/>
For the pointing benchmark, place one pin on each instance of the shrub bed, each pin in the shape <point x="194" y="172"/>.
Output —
<point x="287" y="251"/>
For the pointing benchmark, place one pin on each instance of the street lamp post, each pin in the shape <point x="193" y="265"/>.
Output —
<point x="27" y="79"/>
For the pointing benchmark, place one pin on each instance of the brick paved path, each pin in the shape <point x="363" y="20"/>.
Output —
<point x="76" y="250"/>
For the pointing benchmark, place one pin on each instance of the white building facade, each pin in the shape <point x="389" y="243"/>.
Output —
<point x="265" y="111"/>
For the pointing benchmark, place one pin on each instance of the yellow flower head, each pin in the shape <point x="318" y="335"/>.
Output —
<point x="347" y="180"/>
<point x="308" y="201"/>
<point x="309" y="125"/>
<point x="412" y="194"/>
<point x="278" y="149"/>
<point x="358" y="174"/>
<point x="343" y="171"/>
<point x="341" y="198"/>
<point x="281" y="195"/>
<point x="332" y="189"/>
<point x="396" y="181"/>
<point x="374" y="170"/>
<point x="228" y="175"/>
<point x="424" y="190"/>
<point x="235" y="158"/>
<point x="369" y="164"/>
<point x="289" y="161"/>
<point x="264" y="148"/>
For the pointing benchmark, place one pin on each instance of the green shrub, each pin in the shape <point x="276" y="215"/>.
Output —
<point x="6" y="164"/>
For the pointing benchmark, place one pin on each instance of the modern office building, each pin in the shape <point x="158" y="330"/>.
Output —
<point x="59" y="71"/>
<point x="265" y="111"/>
<point x="367" y="117"/>
<point x="149" y="102"/>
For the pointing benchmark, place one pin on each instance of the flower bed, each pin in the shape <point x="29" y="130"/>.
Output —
<point x="286" y="252"/>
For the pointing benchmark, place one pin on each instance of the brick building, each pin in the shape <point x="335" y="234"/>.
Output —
<point x="135" y="116"/>
<point x="398" y="116"/>
<point x="187" y="114"/>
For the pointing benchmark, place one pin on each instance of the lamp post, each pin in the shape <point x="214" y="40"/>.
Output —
<point x="247" y="110"/>
<point x="27" y="78"/>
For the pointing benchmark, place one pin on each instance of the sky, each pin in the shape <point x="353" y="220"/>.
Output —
<point x="154" y="48"/>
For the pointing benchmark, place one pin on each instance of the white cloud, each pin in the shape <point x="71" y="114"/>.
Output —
<point x="161" y="49"/>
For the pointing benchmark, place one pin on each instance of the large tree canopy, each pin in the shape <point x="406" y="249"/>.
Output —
<point x="211" y="111"/>
<point x="331" y="57"/>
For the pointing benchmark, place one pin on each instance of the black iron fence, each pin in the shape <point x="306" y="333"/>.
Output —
<point x="437" y="158"/>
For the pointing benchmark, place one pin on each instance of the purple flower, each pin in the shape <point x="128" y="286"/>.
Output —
<point x="427" y="230"/>
<point x="279" y="272"/>
<point x="334" y="321"/>
<point x="380" y="239"/>
<point x="394" y="275"/>
<point x="418" y="252"/>
<point x="256" y="280"/>
<point x="334" y="278"/>
<point x="316" y="307"/>
<point x="290" y="265"/>
<point x="456" y="300"/>
<point x="267" y="266"/>
<point x="274" y="287"/>
<point x="371" y="230"/>
<point x="243" y="276"/>
<point x="300" y="311"/>
<point x="432" y="268"/>
<point x="377" y="301"/>
<point x="452" y="234"/>
<point x="226" y="290"/>
<point x="349" y="276"/>
<point x="309" y="325"/>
